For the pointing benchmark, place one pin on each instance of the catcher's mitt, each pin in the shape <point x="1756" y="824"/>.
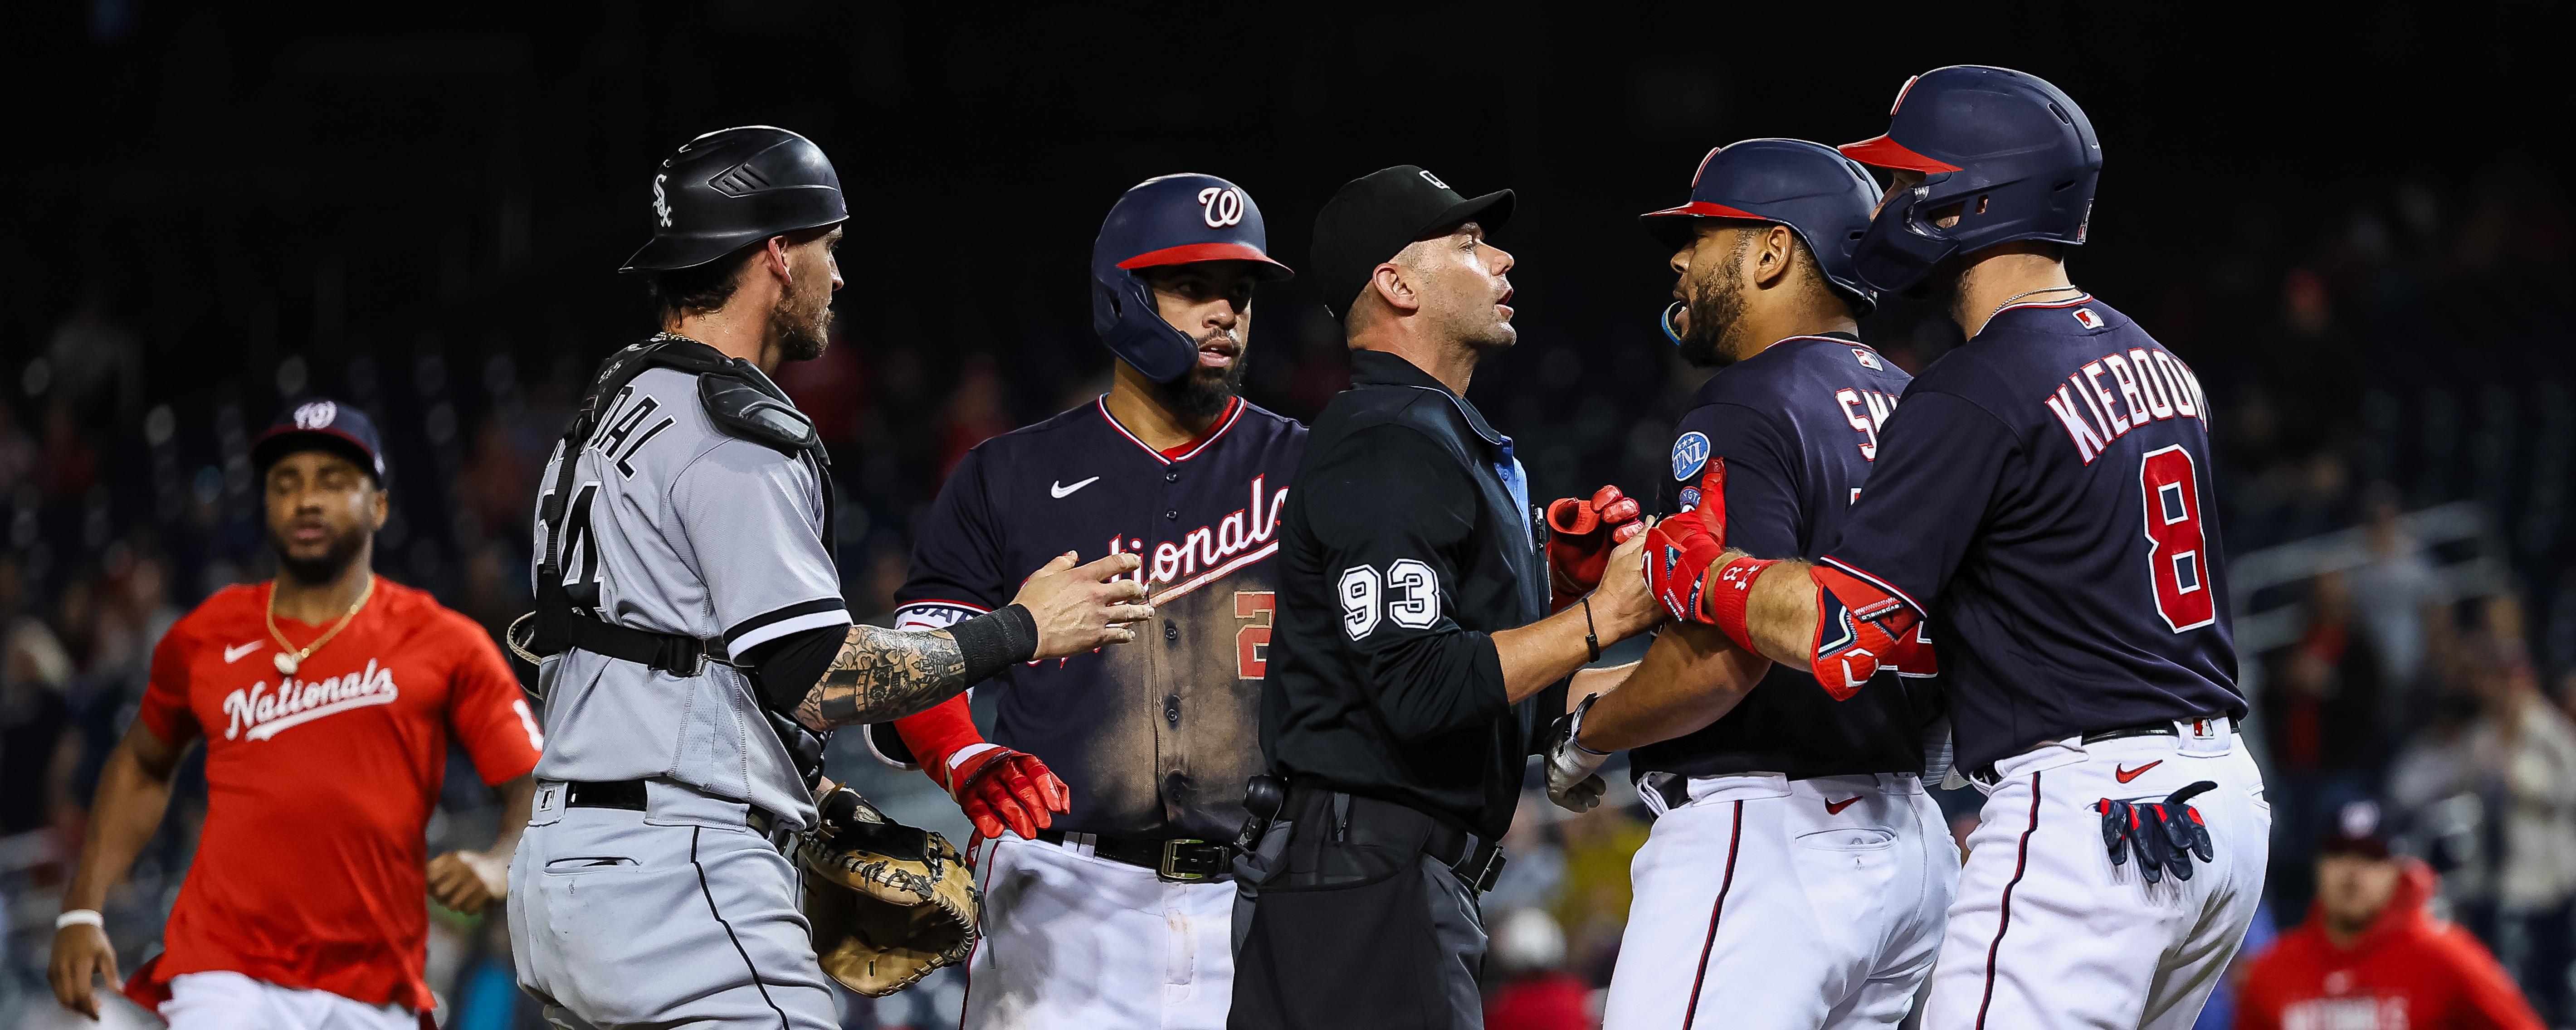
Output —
<point x="889" y="902"/>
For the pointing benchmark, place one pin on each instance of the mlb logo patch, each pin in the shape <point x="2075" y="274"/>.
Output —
<point x="1868" y="359"/>
<point x="1689" y="453"/>
<point x="2086" y="318"/>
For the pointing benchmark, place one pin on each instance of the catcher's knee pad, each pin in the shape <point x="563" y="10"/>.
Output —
<point x="1861" y="629"/>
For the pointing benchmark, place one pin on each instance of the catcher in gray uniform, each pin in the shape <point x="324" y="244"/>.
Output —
<point x="696" y="648"/>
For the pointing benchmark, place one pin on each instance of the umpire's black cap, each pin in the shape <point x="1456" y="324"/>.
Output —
<point x="1374" y="216"/>
<point x="321" y="425"/>
<point x="735" y="187"/>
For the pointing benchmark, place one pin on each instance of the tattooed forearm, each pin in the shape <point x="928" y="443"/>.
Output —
<point x="884" y="674"/>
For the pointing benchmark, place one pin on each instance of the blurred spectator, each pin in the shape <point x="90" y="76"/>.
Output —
<point x="93" y="354"/>
<point x="497" y="487"/>
<point x="1593" y="909"/>
<point x="35" y="726"/>
<point x="2322" y="716"/>
<point x="976" y="412"/>
<point x="2396" y="592"/>
<point x="68" y="466"/>
<point x="2497" y="796"/>
<point x="2369" y="957"/>
<point x="1535" y="991"/>
<point x="17" y="453"/>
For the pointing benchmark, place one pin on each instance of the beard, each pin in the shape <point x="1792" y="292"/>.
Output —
<point x="1716" y="309"/>
<point x="1203" y="392"/>
<point x="802" y="326"/>
<point x="326" y="567"/>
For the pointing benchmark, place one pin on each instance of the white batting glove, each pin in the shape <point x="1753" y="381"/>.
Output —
<point x="1572" y="781"/>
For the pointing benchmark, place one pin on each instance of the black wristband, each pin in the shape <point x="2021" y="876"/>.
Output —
<point x="1591" y="636"/>
<point x="992" y="641"/>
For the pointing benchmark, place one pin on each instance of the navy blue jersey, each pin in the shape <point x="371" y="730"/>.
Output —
<point x="2044" y="497"/>
<point x="1798" y="426"/>
<point x="1155" y="737"/>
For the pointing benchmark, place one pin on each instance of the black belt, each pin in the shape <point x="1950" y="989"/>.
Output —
<point x="2164" y="728"/>
<point x="1179" y="860"/>
<point x="1477" y="862"/>
<point x="629" y="795"/>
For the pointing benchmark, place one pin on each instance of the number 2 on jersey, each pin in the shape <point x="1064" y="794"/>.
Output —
<point x="1252" y="643"/>
<point x="2177" y="549"/>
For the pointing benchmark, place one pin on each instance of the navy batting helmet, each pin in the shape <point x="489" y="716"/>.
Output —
<point x="1168" y="220"/>
<point x="732" y="188"/>
<point x="2013" y="152"/>
<point x="1822" y="196"/>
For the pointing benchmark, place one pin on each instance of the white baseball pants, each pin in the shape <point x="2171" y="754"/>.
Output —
<point x="2047" y="933"/>
<point x="1772" y="904"/>
<point x="1077" y="942"/>
<point x="231" y="1001"/>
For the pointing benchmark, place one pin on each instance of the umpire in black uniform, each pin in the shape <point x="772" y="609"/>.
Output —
<point x="1410" y="667"/>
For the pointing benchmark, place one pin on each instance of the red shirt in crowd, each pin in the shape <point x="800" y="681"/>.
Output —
<point x="2409" y="971"/>
<point x="311" y="872"/>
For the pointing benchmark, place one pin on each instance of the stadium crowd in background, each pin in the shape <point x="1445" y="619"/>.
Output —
<point x="2370" y="380"/>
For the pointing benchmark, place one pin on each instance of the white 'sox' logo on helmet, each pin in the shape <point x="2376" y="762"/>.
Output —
<point x="1435" y="180"/>
<point x="317" y="415"/>
<point x="661" y="203"/>
<point x="1223" y="204"/>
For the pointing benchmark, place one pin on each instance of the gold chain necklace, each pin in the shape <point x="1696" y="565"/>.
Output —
<point x="288" y="662"/>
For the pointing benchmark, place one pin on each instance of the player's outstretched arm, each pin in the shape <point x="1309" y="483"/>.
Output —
<point x="133" y="795"/>
<point x="1690" y="677"/>
<point x="884" y="674"/>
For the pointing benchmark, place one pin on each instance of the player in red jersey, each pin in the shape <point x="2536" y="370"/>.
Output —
<point x="327" y="699"/>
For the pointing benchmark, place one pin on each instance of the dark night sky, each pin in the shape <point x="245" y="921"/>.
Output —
<point x="251" y="182"/>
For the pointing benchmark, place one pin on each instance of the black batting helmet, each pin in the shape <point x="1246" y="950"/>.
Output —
<point x="735" y="187"/>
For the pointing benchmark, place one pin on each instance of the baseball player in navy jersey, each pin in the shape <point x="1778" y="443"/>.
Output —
<point x="1797" y="872"/>
<point x="2042" y="497"/>
<point x="1112" y="777"/>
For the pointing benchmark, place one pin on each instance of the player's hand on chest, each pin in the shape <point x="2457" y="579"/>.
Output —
<point x="1184" y="520"/>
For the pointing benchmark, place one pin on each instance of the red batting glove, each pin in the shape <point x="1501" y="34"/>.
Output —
<point x="1581" y="534"/>
<point x="1679" y="550"/>
<point x="1000" y="787"/>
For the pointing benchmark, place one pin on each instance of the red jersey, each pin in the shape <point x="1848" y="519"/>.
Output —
<point x="312" y="869"/>
<point x="2409" y="971"/>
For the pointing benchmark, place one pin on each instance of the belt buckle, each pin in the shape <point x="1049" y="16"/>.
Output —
<point x="1170" y="866"/>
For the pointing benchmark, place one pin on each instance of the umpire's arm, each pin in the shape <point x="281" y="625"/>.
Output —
<point x="1392" y="510"/>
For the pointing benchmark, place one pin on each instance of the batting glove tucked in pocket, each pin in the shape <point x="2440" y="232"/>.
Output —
<point x="2166" y="835"/>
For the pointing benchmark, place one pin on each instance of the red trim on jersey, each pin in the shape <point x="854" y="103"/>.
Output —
<point x="1704" y="209"/>
<point x="2003" y="919"/>
<point x="1882" y="152"/>
<point x="1189" y="252"/>
<point x="1734" y="840"/>
<point x="1233" y="413"/>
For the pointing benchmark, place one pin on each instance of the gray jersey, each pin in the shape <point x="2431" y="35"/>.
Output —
<point x="683" y="529"/>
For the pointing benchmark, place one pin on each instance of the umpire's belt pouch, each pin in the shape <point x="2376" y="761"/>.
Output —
<point x="1342" y="934"/>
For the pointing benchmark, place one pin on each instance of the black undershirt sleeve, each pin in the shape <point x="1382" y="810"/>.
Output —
<point x="788" y="667"/>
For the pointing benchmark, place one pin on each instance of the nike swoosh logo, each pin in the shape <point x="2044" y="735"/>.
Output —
<point x="1062" y="491"/>
<point x="234" y="654"/>
<point x="1836" y="807"/>
<point x="2126" y="775"/>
